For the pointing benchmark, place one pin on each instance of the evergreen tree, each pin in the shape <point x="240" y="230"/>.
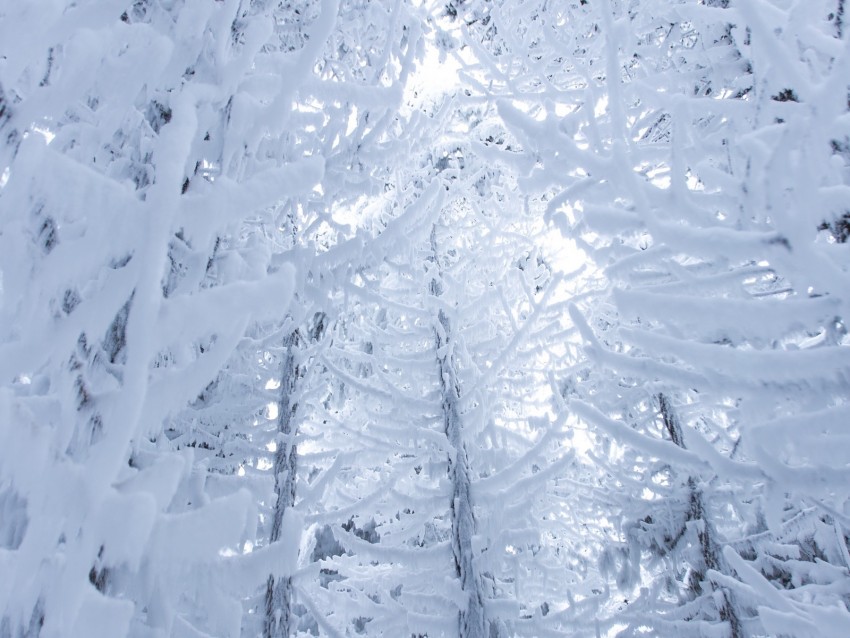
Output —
<point x="686" y="182"/>
<point x="289" y="348"/>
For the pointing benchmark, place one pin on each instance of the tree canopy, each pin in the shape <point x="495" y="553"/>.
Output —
<point x="477" y="318"/>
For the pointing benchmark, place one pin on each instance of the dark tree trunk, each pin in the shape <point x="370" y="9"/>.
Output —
<point x="278" y="614"/>
<point x="710" y="550"/>
<point x="471" y="623"/>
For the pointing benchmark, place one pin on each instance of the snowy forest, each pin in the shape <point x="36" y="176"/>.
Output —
<point x="424" y="318"/>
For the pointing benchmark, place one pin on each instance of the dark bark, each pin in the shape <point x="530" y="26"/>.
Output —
<point x="710" y="550"/>
<point x="472" y="623"/>
<point x="278" y="612"/>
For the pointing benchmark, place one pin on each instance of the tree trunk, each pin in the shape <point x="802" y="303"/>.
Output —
<point x="471" y="622"/>
<point x="710" y="551"/>
<point x="278" y="616"/>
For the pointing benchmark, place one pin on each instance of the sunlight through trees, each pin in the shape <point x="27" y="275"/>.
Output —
<point x="474" y="318"/>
